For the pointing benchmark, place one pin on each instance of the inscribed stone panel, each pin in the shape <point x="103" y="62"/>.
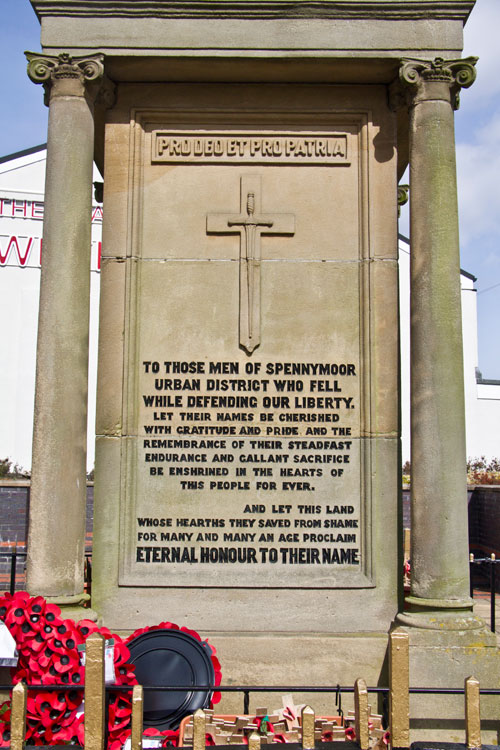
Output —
<point x="246" y="353"/>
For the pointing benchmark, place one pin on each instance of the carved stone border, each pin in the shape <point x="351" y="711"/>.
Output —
<point x="366" y="576"/>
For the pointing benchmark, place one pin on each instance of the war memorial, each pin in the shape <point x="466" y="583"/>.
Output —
<point x="247" y="433"/>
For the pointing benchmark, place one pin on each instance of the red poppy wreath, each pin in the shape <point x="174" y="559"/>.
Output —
<point x="47" y="646"/>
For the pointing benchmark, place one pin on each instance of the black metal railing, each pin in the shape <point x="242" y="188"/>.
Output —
<point x="15" y="554"/>
<point x="485" y="566"/>
<point x="336" y="690"/>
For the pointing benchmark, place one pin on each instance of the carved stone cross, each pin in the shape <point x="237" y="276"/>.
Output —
<point x="250" y="224"/>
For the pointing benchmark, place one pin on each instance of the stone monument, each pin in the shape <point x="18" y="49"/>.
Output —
<point x="247" y="436"/>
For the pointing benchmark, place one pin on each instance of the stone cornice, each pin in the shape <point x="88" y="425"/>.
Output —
<point x="332" y="9"/>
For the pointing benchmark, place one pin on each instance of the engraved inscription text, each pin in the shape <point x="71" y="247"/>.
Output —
<point x="244" y="148"/>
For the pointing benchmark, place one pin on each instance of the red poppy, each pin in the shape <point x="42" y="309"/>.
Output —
<point x="35" y="621"/>
<point x="36" y="605"/>
<point x="4" y="734"/>
<point x="73" y="698"/>
<point x="16" y="610"/>
<point x="15" y="616"/>
<point x="25" y="632"/>
<point x="124" y="675"/>
<point x="74" y="676"/>
<point x="115" y="744"/>
<point x="120" y="711"/>
<point x="35" y="734"/>
<point x="77" y="728"/>
<point x="121" y="653"/>
<point x="21" y="597"/>
<point x="50" y="717"/>
<point x="51" y="613"/>
<point x="172" y="738"/>
<point x="116" y="725"/>
<point x="216" y="697"/>
<point x="63" y="626"/>
<point x="136" y="633"/>
<point x="67" y="717"/>
<point x="19" y="675"/>
<point x="38" y="642"/>
<point x="72" y="639"/>
<point x="350" y="734"/>
<point x="34" y="727"/>
<point x="86" y="628"/>
<point x="5" y="601"/>
<point x="65" y="662"/>
<point x="33" y="707"/>
<point x="44" y="658"/>
<point x="56" y="644"/>
<point x="35" y="612"/>
<point x="35" y="671"/>
<point x="260" y="720"/>
<point x="65" y="636"/>
<point x="48" y="629"/>
<point x="289" y="714"/>
<point x="121" y="701"/>
<point x="192" y="633"/>
<point x="45" y="701"/>
<point x="58" y="735"/>
<point x="50" y="677"/>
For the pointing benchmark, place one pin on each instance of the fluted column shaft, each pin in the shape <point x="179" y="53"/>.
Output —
<point x="56" y="539"/>
<point x="439" y="532"/>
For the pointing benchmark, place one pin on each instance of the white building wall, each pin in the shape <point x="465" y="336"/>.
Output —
<point x="482" y="401"/>
<point x="404" y="334"/>
<point x="486" y="436"/>
<point x="469" y="328"/>
<point x="21" y="218"/>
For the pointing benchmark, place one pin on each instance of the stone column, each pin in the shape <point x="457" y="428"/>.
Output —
<point x="439" y="536"/>
<point x="56" y="539"/>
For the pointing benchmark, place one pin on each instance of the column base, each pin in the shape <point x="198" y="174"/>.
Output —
<point x="444" y="659"/>
<point x="439" y="614"/>
<point x="72" y="607"/>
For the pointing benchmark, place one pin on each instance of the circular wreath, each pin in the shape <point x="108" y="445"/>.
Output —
<point x="47" y="646"/>
<point x="213" y="658"/>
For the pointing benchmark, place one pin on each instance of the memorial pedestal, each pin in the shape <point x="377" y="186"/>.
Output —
<point x="444" y="660"/>
<point x="247" y="436"/>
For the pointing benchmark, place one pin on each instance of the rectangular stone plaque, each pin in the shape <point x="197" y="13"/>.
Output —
<point x="248" y="354"/>
<point x="250" y="147"/>
<point x="247" y="422"/>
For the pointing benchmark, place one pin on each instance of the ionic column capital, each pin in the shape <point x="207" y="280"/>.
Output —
<point x="460" y="72"/>
<point x="435" y="79"/>
<point x="403" y="194"/>
<point x="65" y="75"/>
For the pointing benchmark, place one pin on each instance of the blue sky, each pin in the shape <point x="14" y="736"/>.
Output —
<point x="23" y="123"/>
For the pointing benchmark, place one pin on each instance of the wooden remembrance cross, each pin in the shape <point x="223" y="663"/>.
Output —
<point x="250" y="224"/>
